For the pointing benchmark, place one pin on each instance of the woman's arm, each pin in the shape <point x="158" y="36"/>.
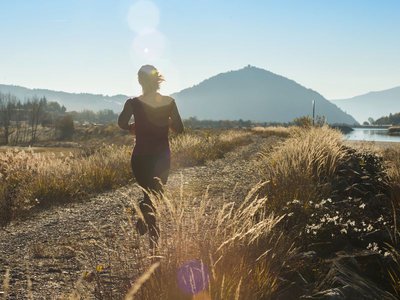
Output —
<point x="176" y="122"/>
<point x="125" y="116"/>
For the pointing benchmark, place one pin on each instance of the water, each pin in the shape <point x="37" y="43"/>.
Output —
<point x="371" y="134"/>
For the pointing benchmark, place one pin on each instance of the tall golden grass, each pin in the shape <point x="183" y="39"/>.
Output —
<point x="272" y="131"/>
<point x="229" y="252"/>
<point x="296" y="166"/>
<point x="34" y="179"/>
<point x="239" y="251"/>
<point x="392" y="158"/>
<point x="194" y="149"/>
<point x="29" y="179"/>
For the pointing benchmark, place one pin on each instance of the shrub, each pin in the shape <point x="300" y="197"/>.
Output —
<point x="305" y="122"/>
<point x="297" y="166"/>
<point x="65" y="127"/>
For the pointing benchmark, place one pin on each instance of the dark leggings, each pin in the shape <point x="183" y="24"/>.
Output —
<point x="148" y="171"/>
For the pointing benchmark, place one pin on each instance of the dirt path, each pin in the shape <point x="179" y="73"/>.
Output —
<point x="41" y="246"/>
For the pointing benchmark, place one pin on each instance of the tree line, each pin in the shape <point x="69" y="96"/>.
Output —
<point x="391" y="119"/>
<point x="19" y="120"/>
<point x="22" y="121"/>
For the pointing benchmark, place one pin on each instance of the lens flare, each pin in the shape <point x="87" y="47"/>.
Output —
<point x="143" y="16"/>
<point x="193" y="277"/>
<point x="149" y="46"/>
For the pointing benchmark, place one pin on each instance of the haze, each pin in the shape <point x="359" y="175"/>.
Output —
<point x="339" y="48"/>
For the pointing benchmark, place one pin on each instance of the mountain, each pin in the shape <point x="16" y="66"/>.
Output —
<point x="255" y="94"/>
<point x="373" y="104"/>
<point x="248" y="94"/>
<point x="71" y="101"/>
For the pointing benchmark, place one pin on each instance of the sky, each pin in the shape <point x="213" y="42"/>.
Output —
<point x="340" y="48"/>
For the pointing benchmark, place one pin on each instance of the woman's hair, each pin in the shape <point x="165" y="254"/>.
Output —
<point x="149" y="78"/>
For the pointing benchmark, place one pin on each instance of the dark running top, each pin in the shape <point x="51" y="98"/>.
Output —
<point x="152" y="124"/>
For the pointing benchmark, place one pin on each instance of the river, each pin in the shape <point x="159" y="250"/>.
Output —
<point x="371" y="134"/>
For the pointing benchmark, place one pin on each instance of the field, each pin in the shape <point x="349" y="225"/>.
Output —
<point x="266" y="213"/>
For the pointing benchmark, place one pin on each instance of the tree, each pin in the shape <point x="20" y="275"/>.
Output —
<point x="37" y="114"/>
<point x="7" y="110"/>
<point x="371" y="121"/>
<point x="65" y="127"/>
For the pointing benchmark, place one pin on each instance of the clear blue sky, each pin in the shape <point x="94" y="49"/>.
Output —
<point x="340" y="48"/>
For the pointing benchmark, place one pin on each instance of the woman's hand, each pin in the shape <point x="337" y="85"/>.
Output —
<point x="132" y="128"/>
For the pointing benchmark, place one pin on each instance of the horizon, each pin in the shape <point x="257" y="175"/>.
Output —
<point x="128" y="95"/>
<point x="97" y="47"/>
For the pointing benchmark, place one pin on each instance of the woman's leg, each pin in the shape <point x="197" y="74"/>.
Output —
<point x="141" y="167"/>
<point x="160" y="174"/>
<point x="149" y="171"/>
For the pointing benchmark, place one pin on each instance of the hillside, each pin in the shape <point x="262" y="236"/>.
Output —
<point x="248" y="94"/>
<point x="373" y="104"/>
<point x="71" y="101"/>
<point x="254" y="94"/>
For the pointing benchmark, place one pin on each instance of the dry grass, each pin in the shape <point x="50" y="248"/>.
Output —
<point x="273" y="131"/>
<point x="29" y="179"/>
<point x="210" y="248"/>
<point x="206" y="251"/>
<point x="296" y="166"/>
<point x="195" y="149"/>
<point x="392" y="158"/>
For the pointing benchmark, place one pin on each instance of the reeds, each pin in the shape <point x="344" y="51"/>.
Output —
<point x="34" y="179"/>
<point x="208" y="249"/>
<point x="298" y="166"/>
<point x="195" y="149"/>
<point x="29" y="179"/>
<point x="272" y="131"/>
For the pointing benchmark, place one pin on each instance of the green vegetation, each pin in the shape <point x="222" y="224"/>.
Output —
<point x="391" y="119"/>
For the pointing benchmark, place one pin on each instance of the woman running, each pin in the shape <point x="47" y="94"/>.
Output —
<point x="153" y="115"/>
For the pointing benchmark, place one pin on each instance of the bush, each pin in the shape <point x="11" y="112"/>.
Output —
<point x="304" y="122"/>
<point x="65" y="127"/>
<point x="296" y="166"/>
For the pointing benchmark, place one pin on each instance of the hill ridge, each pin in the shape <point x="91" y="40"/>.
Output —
<point x="374" y="104"/>
<point x="249" y="93"/>
<point x="272" y="98"/>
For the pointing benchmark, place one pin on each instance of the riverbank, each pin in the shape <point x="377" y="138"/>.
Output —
<point x="373" y="145"/>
